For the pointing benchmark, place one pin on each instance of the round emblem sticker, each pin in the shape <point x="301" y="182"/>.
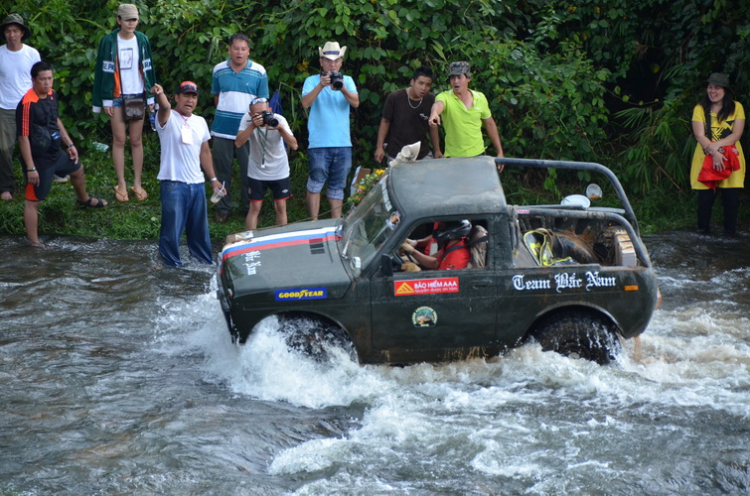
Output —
<point x="424" y="317"/>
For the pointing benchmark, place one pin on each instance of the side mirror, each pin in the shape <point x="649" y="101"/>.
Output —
<point x="594" y="192"/>
<point x="356" y="266"/>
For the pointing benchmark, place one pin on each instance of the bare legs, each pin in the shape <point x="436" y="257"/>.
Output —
<point x="31" y="208"/>
<point x="251" y="221"/>
<point x="335" y="208"/>
<point x="118" y="150"/>
<point x="280" y="206"/>
<point x="313" y="206"/>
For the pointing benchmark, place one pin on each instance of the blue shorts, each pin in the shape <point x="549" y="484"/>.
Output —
<point x="331" y="165"/>
<point x="282" y="189"/>
<point x="118" y="102"/>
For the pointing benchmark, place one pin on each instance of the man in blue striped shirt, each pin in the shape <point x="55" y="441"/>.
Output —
<point x="236" y="82"/>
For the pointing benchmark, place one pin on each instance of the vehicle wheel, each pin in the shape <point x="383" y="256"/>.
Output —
<point x="315" y="337"/>
<point x="579" y="335"/>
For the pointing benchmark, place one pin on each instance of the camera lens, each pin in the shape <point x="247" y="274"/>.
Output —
<point x="337" y="80"/>
<point x="269" y="119"/>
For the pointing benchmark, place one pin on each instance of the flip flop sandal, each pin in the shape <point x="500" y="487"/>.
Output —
<point x="87" y="204"/>
<point x="142" y="195"/>
<point x="121" y="197"/>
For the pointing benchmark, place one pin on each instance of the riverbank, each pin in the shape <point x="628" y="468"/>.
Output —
<point x="60" y="216"/>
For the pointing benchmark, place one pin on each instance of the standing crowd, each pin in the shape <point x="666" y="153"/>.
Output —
<point x="246" y="129"/>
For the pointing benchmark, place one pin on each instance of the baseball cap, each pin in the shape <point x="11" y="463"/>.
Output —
<point x="127" y="11"/>
<point x="458" y="68"/>
<point x="187" y="87"/>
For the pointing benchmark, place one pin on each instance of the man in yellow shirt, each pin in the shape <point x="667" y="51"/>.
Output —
<point x="464" y="113"/>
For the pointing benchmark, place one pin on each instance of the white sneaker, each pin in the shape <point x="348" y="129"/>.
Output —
<point x="59" y="179"/>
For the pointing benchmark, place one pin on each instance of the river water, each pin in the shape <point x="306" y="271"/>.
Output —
<point x="117" y="378"/>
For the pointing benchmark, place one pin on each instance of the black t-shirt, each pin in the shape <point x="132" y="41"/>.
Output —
<point x="37" y="118"/>
<point x="409" y="121"/>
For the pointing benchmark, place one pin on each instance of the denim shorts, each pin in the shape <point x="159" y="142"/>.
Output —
<point x="332" y="165"/>
<point x="118" y="102"/>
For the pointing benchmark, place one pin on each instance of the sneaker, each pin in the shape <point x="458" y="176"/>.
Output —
<point x="59" y="179"/>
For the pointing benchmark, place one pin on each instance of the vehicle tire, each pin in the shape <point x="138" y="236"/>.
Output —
<point x="579" y="335"/>
<point x="315" y="337"/>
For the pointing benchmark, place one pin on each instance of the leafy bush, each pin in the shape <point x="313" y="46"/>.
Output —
<point x="552" y="72"/>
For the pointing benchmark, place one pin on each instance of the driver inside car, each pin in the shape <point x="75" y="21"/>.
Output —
<point x="454" y="253"/>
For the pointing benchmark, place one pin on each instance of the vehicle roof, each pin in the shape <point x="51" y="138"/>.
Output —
<point x="444" y="187"/>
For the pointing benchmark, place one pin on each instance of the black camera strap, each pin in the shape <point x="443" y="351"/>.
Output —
<point x="263" y="140"/>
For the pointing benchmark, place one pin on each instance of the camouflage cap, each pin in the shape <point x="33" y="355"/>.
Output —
<point x="458" y="68"/>
<point x="14" y="19"/>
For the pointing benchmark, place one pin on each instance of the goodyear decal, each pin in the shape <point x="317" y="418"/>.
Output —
<point x="279" y="241"/>
<point x="301" y="294"/>
<point x="426" y="286"/>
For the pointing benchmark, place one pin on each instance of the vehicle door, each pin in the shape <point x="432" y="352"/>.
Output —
<point x="433" y="309"/>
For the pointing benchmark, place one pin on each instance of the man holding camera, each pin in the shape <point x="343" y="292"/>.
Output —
<point x="268" y="165"/>
<point x="329" y="96"/>
<point x="235" y="83"/>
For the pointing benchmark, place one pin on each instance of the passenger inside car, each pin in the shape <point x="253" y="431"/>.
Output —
<point x="454" y="253"/>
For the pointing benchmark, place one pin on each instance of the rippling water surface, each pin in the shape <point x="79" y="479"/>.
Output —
<point x="117" y="378"/>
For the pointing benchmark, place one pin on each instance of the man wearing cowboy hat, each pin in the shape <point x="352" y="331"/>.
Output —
<point x="465" y="112"/>
<point x="329" y="96"/>
<point x="16" y="60"/>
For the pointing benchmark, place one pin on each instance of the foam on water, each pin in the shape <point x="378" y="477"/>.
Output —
<point x="539" y="421"/>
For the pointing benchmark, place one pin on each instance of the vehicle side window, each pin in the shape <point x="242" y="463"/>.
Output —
<point x="540" y="242"/>
<point x="446" y="245"/>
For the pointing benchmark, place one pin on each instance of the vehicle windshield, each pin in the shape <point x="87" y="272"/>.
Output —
<point x="370" y="225"/>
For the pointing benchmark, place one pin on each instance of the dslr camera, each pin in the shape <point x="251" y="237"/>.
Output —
<point x="337" y="80"/>
<point x="269" y="119"/>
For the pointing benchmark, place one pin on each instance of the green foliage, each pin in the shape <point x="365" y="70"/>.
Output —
<point x="387" y="40"/>
<point x="572" y="79"/>
<point x="660" y="53"/>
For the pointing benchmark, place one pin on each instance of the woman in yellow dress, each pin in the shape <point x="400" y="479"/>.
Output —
<point x="718" y="122"/>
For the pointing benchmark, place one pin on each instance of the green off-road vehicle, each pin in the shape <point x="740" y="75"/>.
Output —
<point x="574" y="277"/>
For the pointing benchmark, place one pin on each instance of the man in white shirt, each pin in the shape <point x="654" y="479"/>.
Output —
<point x="268" y="164"/>
<point x="184" y="151"/>
<point x="16" y="60"/>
